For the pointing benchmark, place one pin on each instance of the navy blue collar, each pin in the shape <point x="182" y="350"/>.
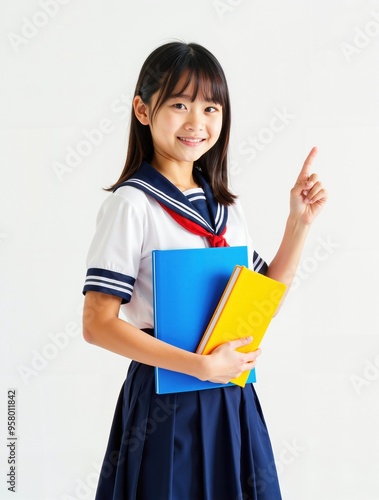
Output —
<point x="153" y="183"/>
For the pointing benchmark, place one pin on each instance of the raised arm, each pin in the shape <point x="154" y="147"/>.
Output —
<point x="307" y="198"/>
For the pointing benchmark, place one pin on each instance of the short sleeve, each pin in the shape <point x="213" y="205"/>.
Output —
<point x="238" y="234"/>
<point x="259" y="265"/>
<point x="115" y="252"/>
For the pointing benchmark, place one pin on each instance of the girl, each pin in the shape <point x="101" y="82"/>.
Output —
<point x="211" y="444"/>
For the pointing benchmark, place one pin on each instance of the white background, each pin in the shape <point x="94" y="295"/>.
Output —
<point x="66" y="71"/>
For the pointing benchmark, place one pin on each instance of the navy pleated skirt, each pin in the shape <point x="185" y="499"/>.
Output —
<point x="202" y="445"/>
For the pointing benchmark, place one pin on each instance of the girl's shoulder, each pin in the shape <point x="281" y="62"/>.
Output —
<point x="236" y="207"/>
<point x="126" y="201"/>
<point x="129" y="195"/>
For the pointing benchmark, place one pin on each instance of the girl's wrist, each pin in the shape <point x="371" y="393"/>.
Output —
<point x="296" y="224"/>
<point x="201" y="367"/>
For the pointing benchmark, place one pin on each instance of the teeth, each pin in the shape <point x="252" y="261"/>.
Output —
<point x="187" y="139"/>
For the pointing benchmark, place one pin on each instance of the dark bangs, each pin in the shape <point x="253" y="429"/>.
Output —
<point x="208" y="81"/>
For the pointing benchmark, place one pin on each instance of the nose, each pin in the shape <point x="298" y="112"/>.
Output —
<point x="194" y="121"/>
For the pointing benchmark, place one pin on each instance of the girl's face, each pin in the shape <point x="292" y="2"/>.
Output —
<point x="182" y="130"/>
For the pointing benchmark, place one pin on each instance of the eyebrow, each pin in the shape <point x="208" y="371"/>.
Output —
<point x="181" y="96"/>
<point x="189" y="98"/>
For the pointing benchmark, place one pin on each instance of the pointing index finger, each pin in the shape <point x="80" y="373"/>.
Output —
<point x="304" y="172"/>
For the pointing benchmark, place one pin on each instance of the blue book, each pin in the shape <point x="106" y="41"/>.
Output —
<point x="187" y="286"/>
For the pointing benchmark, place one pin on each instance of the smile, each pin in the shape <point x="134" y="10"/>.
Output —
<point x="191" y="140"/>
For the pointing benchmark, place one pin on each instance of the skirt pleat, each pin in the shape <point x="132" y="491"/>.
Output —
<point x="200" y="445"/>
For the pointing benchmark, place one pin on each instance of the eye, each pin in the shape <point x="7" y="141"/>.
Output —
<point x="211" y="109"/>
<point x="179" y="105"/>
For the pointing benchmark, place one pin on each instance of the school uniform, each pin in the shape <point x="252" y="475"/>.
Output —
<point x="211" y="444"/>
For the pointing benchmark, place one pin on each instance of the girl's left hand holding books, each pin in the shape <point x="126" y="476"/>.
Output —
<point x="308" y="196"/>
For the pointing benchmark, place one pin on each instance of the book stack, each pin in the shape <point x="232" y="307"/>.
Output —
<point x="204" y="297"/>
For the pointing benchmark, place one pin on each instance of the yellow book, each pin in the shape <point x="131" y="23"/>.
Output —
<point x="245" y="309"/>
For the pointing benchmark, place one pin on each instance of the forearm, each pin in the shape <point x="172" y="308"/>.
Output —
<point x="124" y="339"/>
<point x="284" y="265"/>
<point x="103" y="327"/>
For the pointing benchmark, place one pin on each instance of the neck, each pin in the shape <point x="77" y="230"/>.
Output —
<point x="179" y="174"/>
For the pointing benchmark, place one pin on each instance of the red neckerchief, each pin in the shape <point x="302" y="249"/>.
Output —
<point x="216" y="240"/>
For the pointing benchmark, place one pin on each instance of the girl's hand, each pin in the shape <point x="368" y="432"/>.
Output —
<point x="225" y="363"/>
<point x="308" y="195"/>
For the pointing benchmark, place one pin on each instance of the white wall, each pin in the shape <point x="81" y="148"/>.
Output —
<point x="73" y="69"/>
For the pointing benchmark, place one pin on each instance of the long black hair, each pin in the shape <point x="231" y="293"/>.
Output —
<point x="161" y="73"/>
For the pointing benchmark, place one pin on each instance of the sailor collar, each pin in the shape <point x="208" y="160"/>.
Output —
<point x="153" y="183"/>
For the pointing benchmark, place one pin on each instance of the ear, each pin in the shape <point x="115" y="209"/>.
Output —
<point x="141" y="110"/>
